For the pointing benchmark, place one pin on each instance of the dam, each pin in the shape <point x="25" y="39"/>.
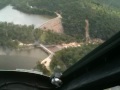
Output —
<point x="54" y="25"/>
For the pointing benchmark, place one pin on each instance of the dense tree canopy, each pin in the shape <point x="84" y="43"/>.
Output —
<point x="11" y="34"/>
<point x="104" y="15"/>
<point x="67" y="57"/>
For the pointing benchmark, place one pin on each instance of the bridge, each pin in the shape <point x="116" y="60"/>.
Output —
<point x="46" y="62"/>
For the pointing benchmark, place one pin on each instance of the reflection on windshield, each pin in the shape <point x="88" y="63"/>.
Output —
<point x="114" y="88"/>
<point x="50" y="35"/>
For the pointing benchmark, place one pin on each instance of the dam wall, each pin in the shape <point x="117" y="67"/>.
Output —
<point x="54" y="25"/>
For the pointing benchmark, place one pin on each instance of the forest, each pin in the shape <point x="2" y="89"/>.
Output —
<point x="69" y="56"/>
<point x="11" y="34"/>
<point x="103" y="16"/>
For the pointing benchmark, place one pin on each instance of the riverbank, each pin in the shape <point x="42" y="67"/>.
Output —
<point x="47" y="60"/>
<point x="54" y="48"/>
<point x="18" y="17"/>
<point x="51" y="49"/>
<point x="23" y="58"/>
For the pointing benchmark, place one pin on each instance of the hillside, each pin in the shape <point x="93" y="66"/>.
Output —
<point x="104" y="15"/>
<point x="69" y="56"/>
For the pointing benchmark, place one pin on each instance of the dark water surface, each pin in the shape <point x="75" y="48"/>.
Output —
<point x="20" y="59"/>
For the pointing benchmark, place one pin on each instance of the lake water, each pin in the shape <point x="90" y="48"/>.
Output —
<point x="25" y="59"/>
<point x="20" y="59"/>
<point x="8" y="14"/>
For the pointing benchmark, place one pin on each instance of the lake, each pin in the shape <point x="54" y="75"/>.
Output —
<point x="9" y="14"/>
<point x="20" y="59"/>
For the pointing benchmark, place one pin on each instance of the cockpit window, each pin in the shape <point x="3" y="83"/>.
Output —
<point x="46" y="36"/>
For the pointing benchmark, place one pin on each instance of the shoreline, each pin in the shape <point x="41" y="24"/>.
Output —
<point x="51" y="49"/>
<point x="46" y="61"/>
<point x="55" y="48"/>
